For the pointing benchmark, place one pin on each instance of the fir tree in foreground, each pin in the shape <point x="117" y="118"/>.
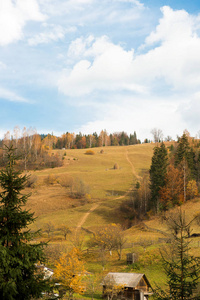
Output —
<point x="181" y="268"/>
<point x="19" y="278"/>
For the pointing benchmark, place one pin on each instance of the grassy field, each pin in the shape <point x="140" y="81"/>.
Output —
<point x="108" y="188"/>
<point x="106" y="184"/>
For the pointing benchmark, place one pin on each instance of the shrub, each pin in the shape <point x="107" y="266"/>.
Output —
<point x="116" y="166"/>
<point x="66" y="180"/>
<point x="89" y="152"/>
<point x="102" y="151"/>
<point x="79" y="188"/>
<point x="31" y="181"/>
<point x="50" y="179"/>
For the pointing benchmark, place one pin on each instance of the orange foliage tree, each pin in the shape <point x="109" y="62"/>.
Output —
<point x="192" y="189"/>
<point x="69" y="272"/>
<point x="173" y="191"/>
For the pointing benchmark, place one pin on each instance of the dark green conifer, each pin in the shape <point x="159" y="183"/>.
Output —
<point x="19" y="278"/>
<point x="182" y="150"/>
<point x="182" y="269"/>
<point x="158" y="171"/>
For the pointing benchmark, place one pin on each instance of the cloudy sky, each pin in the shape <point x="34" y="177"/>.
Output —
<point x="88" y="65"/>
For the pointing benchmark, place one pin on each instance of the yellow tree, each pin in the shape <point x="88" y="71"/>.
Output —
<point x="70" y="137"/>
<point x="36" y="144"/>
<point x="49" y="141"/>
<point x="192" y="189"/>
<point x="111" y="288"/>
<point x="110" y="237"/>
<point x="69" y="272"/>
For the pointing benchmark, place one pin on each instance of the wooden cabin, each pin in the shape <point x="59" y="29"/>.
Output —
<point x="135" y="286"/>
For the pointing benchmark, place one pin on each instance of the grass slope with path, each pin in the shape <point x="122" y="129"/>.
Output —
<point x="109" y="187"/>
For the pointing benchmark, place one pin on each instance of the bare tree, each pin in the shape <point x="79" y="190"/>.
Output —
<point x="48" y="228"/>
<point x="157" y="135"/>
<point x="65" y="230"/>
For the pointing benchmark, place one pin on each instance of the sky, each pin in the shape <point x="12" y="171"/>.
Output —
<point x="89" y="65"/>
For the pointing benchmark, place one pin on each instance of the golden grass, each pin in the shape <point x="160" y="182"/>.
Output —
<point x="52" y="203"/>
<point x="108" y="188"/>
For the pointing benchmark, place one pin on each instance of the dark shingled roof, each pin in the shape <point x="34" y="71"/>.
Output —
<point x="126" y="279"/>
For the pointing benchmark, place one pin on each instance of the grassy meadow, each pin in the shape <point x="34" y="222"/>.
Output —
<point x="108" y="188"/>
<point x="106" y="184"/>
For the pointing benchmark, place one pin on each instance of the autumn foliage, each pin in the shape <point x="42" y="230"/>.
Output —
<point x="69" y="271"/>
<point x="172" y="193"/>
<point x="181" y="175"/>
<point x="89" y="152"/>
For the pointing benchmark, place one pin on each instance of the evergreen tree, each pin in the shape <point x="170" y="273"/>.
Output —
<point x="19" y="278"/>
<point x="181" y="268"/>
<point x="158" y="171"/>
<point x="133" y="139"/>
<point x="182" y="150"/>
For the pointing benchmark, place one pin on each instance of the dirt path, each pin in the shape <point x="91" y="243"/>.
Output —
<point x="132" y="166"/>
<point x="82" y="221"/>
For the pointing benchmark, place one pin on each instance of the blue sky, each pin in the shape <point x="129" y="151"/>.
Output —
<point x="88" y="65"/>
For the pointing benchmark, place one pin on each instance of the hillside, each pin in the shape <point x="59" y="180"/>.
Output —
<point x="108" y="188"/>
<point x="107" y="185"/>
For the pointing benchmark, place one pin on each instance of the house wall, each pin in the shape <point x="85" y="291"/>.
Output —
<point x="142" y="285"/>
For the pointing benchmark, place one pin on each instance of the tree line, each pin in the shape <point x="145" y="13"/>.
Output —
<point x="35" y="149"/>
<point x="81" y="141"/>
<point x="69" y="140"/>
<point x="33" y="153"/>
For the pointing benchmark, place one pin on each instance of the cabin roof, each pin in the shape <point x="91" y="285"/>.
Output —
<point x="126" y="279"/>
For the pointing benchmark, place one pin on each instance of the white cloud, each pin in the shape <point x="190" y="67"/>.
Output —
<point x="110" y="70"/>
<point x="177" y="58"/>
<point x="11" y="96"/>
<point x="93" y="12"/>
<point x="52" y="34"/>
<point x="138" y="114"/>
<point x="13" y="17"/>
<point x="104" y="66"/>
<point x="191" y="110"/>
<point x="161" y="79"/>
<point x="172" y="26"/>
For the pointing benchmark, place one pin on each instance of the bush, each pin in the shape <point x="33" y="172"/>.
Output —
<point x="79" y="188"/>
<point x="31" y="181"/>
<point x="66" y="181"/>
<point x="116" y="166"/>
<point x="89" y="152"/>
<point x="50" y="179"/>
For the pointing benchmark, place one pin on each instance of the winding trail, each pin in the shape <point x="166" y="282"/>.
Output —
<point x="82" y="221"/>
<point x="95" y="206"/>
<point x="132" y="166"/>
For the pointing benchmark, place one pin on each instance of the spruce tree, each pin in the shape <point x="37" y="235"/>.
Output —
<point x="158" y="172"/>
<point x="182" y="150"/>
<point x="182" y="269"/>
<point x="19" y="278"/>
